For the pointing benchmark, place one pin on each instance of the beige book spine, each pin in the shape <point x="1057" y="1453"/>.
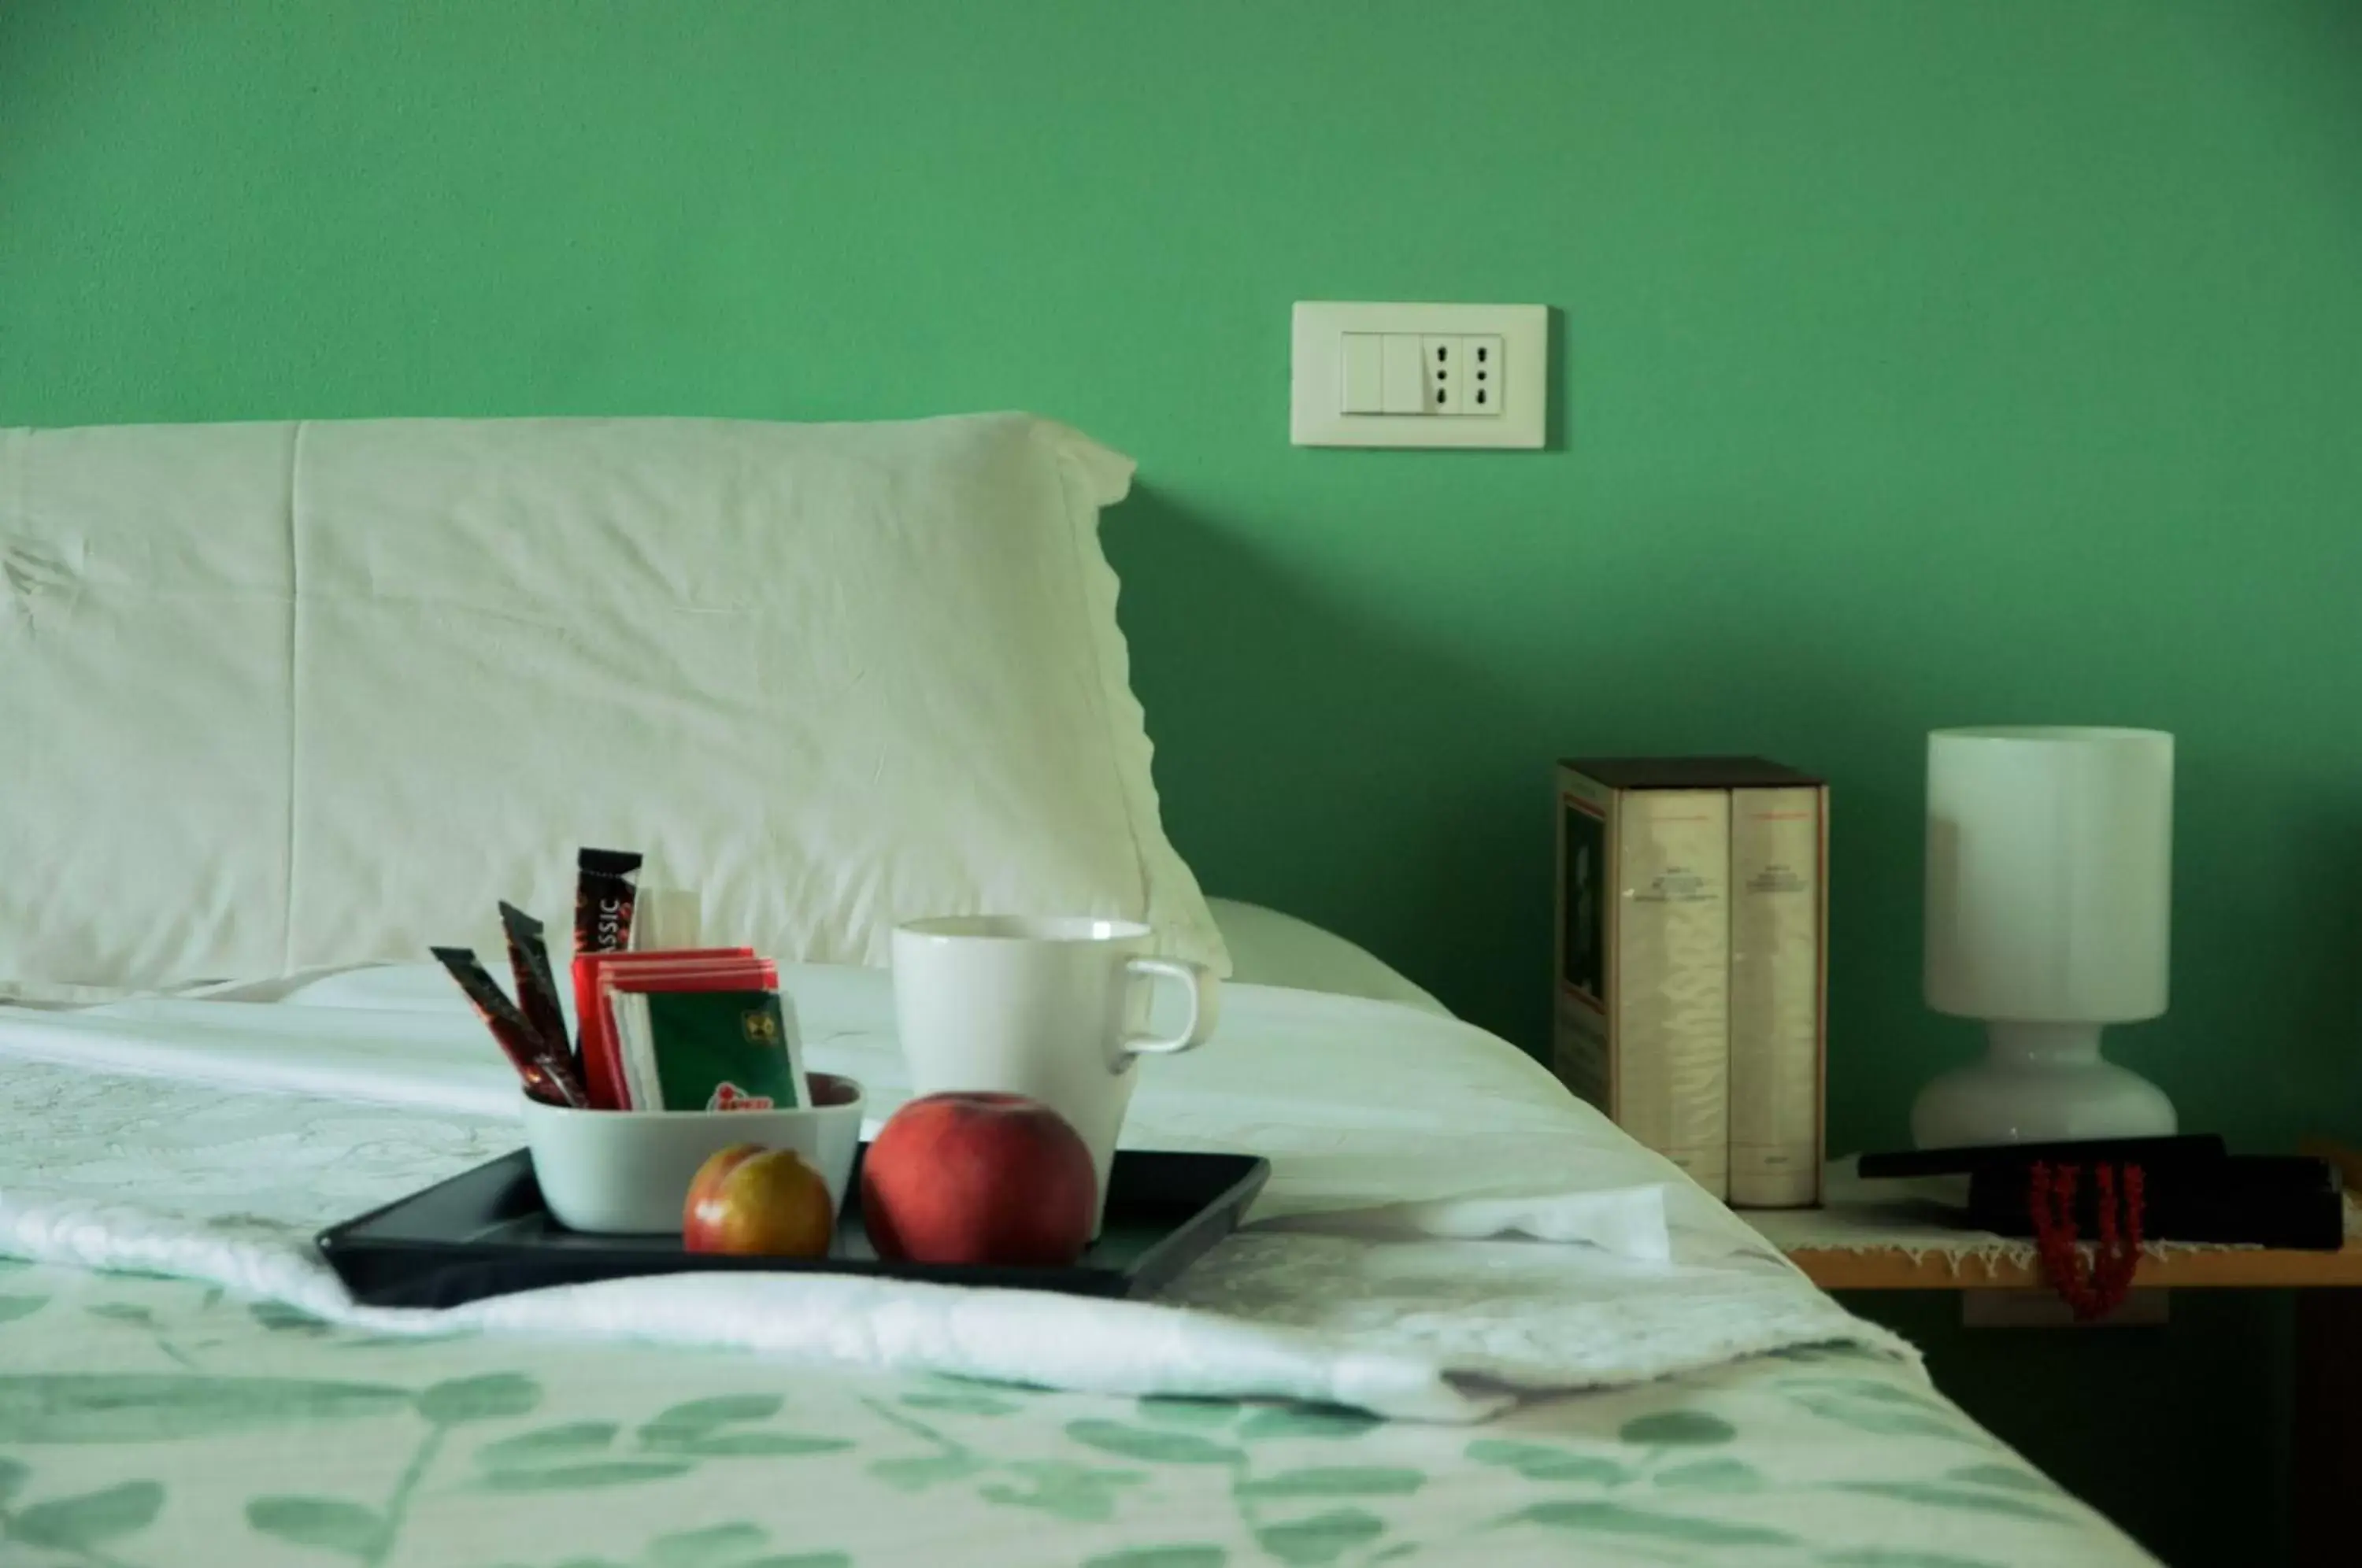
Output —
<point x="1669" y="1013"/>
<point x="1777" y="917"/>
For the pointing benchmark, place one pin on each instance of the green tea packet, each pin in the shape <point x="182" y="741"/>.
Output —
<point x="710" y="1051"/>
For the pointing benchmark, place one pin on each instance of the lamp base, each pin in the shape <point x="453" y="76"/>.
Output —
<point x="2039" y="1083"/>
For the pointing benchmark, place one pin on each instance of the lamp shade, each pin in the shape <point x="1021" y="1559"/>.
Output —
<point x="2050" y="872"/>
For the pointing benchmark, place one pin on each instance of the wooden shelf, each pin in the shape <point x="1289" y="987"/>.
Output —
<point x="2226" y="1268"/>
<point x="1946" y="1260"/>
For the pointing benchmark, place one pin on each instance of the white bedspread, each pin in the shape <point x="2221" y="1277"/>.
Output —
<point x="1444" y="1225"/>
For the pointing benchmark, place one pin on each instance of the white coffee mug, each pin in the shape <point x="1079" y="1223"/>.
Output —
<point x="1052" y="1007"/>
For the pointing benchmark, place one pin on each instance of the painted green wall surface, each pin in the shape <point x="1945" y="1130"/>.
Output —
<point x="1920" y="363"/>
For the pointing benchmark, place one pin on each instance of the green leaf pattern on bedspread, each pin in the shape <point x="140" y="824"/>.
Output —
<point x="145" y="1422"/>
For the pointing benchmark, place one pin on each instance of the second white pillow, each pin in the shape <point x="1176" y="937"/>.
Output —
<point x="830" y="676"/>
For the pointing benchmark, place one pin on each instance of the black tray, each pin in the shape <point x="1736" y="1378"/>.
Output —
<point x="2154" y="1153"/>
<point x="484" y="1232"/>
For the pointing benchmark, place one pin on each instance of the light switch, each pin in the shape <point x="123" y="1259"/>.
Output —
<point x="1366" y="374"/>
<point x="1405" y="375"/>
<point x="1364" y="388"/>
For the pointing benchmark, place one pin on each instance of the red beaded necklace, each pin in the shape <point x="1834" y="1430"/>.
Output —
<point x="2098" y="1288"/>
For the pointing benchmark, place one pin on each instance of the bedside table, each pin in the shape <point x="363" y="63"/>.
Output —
<point x="1895" y="1235"/>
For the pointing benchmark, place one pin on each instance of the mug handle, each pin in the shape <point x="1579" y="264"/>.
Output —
<point x="1203" y="1008"/>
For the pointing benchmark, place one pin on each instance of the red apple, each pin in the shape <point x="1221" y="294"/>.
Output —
<point x="745" y="1198"/>
<point x="978" y="1178"/>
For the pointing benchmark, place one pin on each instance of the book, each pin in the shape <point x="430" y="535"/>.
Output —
<point x="708" y="1050"/>
<point x="1779" y="921"/>
<point x="1643" y="944"/>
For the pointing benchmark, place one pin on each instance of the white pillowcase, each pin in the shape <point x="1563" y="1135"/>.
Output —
<point x="275" y="696"/>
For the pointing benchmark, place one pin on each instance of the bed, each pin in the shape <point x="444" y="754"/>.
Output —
<point x="161" y="1420"/>
<point x="1467" y="1321"/>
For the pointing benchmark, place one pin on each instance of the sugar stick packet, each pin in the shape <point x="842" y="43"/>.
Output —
<point x="667" y="919"/>
<point x="536" y="987"/>
<point x="602" y="1071"/>
<point x="605" y="893"/>
<point x="548" y="1076"/>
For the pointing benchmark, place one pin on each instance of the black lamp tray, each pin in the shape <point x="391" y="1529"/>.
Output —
<point x="486" y="1232"/>
<point x="2192" y="1189"/>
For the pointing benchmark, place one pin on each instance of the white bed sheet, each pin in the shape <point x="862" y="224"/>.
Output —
<point x="1836" y="1456"/>
<point x="1397" y="1135"/>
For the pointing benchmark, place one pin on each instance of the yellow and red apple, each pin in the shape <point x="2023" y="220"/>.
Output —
<point x="750" y="1200"/>
<point x="978" y="1178"/>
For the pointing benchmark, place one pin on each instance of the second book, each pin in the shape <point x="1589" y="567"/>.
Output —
<point x="1692" y="915"/>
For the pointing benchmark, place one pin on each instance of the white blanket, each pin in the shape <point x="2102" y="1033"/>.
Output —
<point x="1444" y="1226"/>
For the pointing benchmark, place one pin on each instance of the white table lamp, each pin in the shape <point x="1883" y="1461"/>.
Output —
<point x="2049" y="909"/>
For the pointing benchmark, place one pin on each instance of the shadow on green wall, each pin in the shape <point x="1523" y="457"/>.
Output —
<point x="1319" y="751"/>
<point x="1275" y="792"/>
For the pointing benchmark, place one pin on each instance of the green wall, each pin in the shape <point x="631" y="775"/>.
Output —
<point x="1920" y="363"/>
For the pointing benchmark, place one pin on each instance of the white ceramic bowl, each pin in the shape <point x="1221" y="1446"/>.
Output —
<point x="627" y="1172"/>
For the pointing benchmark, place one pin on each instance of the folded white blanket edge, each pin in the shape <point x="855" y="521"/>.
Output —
<point x="1078" y="1343"/>
<point x="1112" y="1347"/>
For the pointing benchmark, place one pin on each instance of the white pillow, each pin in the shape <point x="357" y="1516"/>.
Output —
<point x="1269" y="948"/>
<point x="275" y="696"/>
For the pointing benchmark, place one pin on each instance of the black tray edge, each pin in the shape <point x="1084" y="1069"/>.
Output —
<point x="410" y="1273"/>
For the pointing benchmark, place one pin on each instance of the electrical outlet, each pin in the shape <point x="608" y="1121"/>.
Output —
<point x="1445" y="375"/>
<point x="1463" y="374"/>
<point x="1481" y="375"/>
<point x="1439" y="359"/>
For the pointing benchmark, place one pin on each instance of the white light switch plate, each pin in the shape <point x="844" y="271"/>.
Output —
<point x="1328" y="379"/>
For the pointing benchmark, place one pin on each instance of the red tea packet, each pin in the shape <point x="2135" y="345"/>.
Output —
<point x="711" y="968"/>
